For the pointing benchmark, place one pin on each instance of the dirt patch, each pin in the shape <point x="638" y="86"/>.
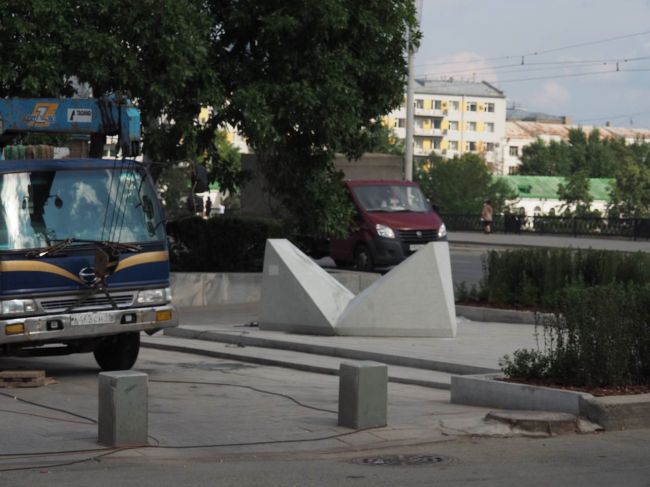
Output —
<point x="597" y="391"/>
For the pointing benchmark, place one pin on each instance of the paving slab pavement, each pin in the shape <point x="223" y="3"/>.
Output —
<point x="477" y="347"/>
<point x="202" y="407"/>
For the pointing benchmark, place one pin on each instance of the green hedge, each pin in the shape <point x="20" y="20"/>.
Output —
<point x="220" y="244"/>
<point x="599" y="336"/>
<point x="535" y="277"/>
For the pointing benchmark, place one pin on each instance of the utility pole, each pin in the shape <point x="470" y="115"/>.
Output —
<point x="410" y="103"/>
<point x="410" y="108"/>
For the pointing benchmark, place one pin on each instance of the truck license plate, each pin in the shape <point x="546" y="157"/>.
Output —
<point x="91" y="318"/>
<point x="414" y="247"/>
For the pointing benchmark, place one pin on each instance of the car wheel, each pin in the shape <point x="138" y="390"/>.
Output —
<point x="118" y="352"/>
<point x="363" y="259"/>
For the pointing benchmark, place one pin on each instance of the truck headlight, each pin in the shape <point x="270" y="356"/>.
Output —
<point x="154" y="296"/>
<point x="442" y="231"/>
<point x="17" y="307"/>
<point x="384" y="231"/>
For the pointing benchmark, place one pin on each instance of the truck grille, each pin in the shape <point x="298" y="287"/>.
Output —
<point x="417" y="236"/>
<point x="94" y="302"/>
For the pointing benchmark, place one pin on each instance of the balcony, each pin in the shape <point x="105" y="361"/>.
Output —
<point x="431" y="132"/>
<point x="419" y="151"/>
<point x="430" y="112"/>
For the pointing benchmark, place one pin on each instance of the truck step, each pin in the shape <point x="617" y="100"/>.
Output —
<point x="22" y="378"/>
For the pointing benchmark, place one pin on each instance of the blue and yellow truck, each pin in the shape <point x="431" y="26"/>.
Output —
<point x="84" y="265"/>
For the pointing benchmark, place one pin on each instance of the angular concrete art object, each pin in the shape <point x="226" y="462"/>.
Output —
<point x="415" y="299"/>
<point x="297" y="294"/>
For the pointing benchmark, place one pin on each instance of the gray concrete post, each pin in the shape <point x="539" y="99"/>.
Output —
<point x="363" y="390"/>
<point x="123" y="408"/>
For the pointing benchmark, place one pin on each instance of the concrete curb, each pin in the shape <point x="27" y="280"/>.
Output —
<point x="495" y="315"/>
<point x="610" y="412"/>
<point x="618" y="412"/>
<point x="340" y="352"/>
<point x="296" y="365"/>
<point x="484" y="390"/>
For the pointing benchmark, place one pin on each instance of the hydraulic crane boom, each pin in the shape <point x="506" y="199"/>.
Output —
<point x="110" y="115"/>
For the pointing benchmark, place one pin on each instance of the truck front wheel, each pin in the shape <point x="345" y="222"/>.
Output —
<point x="118" y="352"/>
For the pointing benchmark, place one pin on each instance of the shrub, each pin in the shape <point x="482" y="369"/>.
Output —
<point x="599" y="336"/>
<point x="221" y="244"/>
<point x="535" y="277"/>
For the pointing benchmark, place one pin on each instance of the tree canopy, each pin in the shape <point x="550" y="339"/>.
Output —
<point x="461" y="185"/>
<point x="588" y="155"/>
<point x="300" y="80"/>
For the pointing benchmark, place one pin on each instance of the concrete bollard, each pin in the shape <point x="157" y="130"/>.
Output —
<point x="363" y="389"/>
<point x="123" y="408"/>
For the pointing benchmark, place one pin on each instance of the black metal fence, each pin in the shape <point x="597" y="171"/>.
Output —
<point x="633" y="228"/>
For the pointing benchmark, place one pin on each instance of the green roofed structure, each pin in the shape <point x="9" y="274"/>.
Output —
<point x="539" y="194"/>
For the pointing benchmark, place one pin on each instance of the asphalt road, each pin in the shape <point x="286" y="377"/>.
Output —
<point x="466" y="263"/>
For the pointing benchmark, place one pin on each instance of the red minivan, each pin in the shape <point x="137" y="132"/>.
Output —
<point x="394" y="219"/>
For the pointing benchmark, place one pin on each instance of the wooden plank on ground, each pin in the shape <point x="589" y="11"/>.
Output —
<point x="22" y="378"/>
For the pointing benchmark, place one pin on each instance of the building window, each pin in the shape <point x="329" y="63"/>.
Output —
<point x="470" y="146"/>
<point x="489" y="127"/>
<point x="436" y="143"/>
<point x="489" y="107"/>
<point x="453" y="145"/>
<point x="437" y="104"/>
<point x="401" y="122"/>
<point x="455" y="105"/>
<point x="489" y="146"/>
<point x="514" y="151"/>
<point x="471" y="106"/>
<point x="453" y="125"/>
<point x="471" y="126"/>
<point x="419" y="103"/>
<point x="512" y="170"/>
<point x="437" y="123"/>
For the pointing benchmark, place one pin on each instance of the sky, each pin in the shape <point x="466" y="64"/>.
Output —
<point x="572" y="47"/>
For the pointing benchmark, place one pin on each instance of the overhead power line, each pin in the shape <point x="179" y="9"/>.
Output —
<point x="545" y="51"/>
<point x="613" y="117"/>
<point x="557" y="76"/>
<point x="537" y="66"/>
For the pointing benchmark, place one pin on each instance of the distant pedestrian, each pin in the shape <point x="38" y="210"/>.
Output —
<point x="486" y="216"/>
<point x="208" y="207"/>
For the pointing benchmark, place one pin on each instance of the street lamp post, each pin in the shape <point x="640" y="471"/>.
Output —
<point x="408" y="149"/>
<point x="410" y="104"/>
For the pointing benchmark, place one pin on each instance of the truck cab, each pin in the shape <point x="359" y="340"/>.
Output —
<point x="393" y="219"/>
<point x="84" y="265"/>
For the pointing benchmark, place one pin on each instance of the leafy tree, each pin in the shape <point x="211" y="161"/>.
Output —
<point x="307" y="80"/>
<point x="383" y="141"/>
<point x="575" y="194"/>
<point x="460" y="185"/>
<point x="545" y="159"/>
<point x="630" y="196"/>
<point x="157" y="51"/>
<point x="301" y="80"/>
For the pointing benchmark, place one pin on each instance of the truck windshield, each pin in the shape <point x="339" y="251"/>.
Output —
<point x="40" y="208"/>
<point x="391" y="198"/>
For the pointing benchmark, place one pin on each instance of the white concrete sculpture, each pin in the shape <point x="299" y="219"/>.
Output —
<point x="415" y="299"/>
<point x="297" y="294"/>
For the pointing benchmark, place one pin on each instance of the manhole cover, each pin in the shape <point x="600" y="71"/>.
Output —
<point x="403" y="460"/>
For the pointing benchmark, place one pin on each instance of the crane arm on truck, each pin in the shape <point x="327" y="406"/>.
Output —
<point x="109" y="115"/>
